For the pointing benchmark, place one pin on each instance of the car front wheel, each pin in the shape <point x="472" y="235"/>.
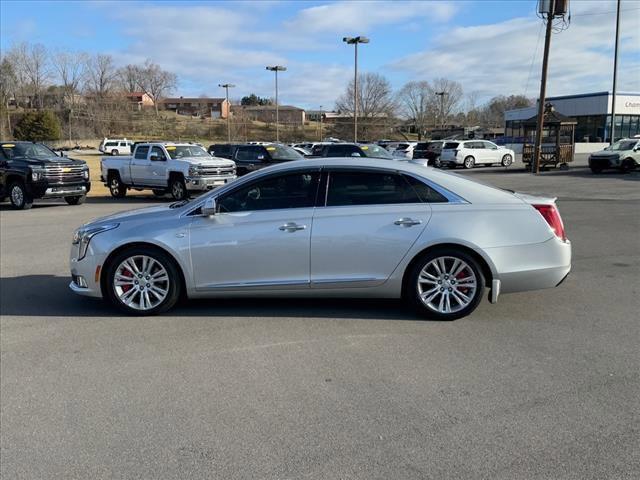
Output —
<point x="142" y="281"/>
<point x="20" y="198"/>
<point x="445" y="284"/>
<point x="178" y="189"/>
<point x="116" y="188"/>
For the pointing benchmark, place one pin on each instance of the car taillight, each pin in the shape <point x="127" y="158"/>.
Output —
<point x="551" y="214"/>
<point x="455" y="153"/>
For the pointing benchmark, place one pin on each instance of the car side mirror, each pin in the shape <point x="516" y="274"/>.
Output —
<point x="154" y="157"/>
<point x="210" y="207"/>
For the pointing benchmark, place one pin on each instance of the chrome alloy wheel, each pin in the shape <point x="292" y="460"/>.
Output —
<point x="17" y="196"/>
<point x="177" y="190"/>
<point x="141" y="282"/>
<point x="447" y="285"/>
<point x="114" y="186"/>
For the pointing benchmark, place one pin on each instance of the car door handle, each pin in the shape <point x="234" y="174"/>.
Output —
<point x="291" y="227"/>
<point x="407" y="222"/>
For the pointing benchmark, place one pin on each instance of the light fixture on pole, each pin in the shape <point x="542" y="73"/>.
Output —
<point x="276" y="69"/>
<point x="355" y="41"/>
<point x="227" y="86"/>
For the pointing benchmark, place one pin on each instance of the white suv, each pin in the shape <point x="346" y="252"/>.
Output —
<point x="115" y="146"/>
<point x="468" y="153"/>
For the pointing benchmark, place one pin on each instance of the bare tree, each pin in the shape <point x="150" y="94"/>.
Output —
<point x="156" y="82"/>
<point x="493" y="111"/>
<point x="70" y="67"/>
<point x="375" y="102"/>
<point x="417" y="102"/>
<point x="32" y="71"/>
<point x="473" y="114"/>
<point x="449" y="93"/>
<point x="101" y="74"/>
<point x="129" y="78"/>
<point x="8" y="81"/>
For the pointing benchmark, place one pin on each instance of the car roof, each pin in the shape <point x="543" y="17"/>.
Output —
<point x="470" y="190"/>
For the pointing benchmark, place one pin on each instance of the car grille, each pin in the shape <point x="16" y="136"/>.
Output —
<point x="206" y="171"/>
<point x="64" y="174"/>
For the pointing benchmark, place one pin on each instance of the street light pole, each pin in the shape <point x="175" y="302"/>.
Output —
<point x="276" y="69"/>
<point x="320" y="123"/>
<point x="355" y="41"/>
<point x="441" y="95"/>
<point x="615" y="77"/>
<point x="227" y="86"/>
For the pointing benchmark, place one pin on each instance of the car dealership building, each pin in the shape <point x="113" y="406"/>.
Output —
<point x="592" y="111"/>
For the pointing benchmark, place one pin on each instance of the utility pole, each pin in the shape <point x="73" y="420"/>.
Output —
<point x="320" y="123"/>
<point x="276" y="69"/>
<point x="227" y="86"/>
<point x="615" y="77"/>
<point x="355" y="41"/>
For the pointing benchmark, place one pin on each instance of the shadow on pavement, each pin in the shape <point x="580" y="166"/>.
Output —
<point x="48" y="295"/>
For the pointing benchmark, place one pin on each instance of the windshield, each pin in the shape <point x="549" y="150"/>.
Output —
<point x="622" y="145"/>
<point x="30" y="150"/>
<point x="375" y="151"/>
<point x="186" y="151"/>
<point x="283" y="152"/>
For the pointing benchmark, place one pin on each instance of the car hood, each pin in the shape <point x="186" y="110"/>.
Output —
<point x="50" y="162"/>
<point x="608" y="153"/>
<point x="208" y="162"/>
<point x="147" y="213"/>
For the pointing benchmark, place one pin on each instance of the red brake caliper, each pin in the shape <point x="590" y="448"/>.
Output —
<point x="460" y="276"/>
<point x="126" y="273"/>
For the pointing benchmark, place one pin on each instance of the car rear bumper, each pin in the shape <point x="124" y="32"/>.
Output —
<point x="532" y="267"/>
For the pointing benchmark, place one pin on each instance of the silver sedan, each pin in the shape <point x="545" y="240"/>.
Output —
<point x="335" y="227"/>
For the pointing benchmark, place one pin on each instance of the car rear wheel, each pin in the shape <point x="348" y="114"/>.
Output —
<point x="78" y="200"/>
<point x="627" y="165"/>
<point x="445" y="284"/>
<point x="20" y="198"/>
<point x="115" y="152"/>
<point x="437" y="163"/>
<point x="469" y="162"/>
<point x="116" y="187"/>
<point x="596" y="170"/>
<point x="507" y="160"/>
<point x="142" y="281"/>
<point x="178" y="189"/>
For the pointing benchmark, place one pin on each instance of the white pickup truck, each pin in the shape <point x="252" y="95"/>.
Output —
<point x="176" y="168"/>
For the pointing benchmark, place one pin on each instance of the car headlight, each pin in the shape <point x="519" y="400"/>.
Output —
<point x="83" y="236"/>
<point x="194" y="171"/>
<point x="37" y="175"/>
<point x="85" y="174"/>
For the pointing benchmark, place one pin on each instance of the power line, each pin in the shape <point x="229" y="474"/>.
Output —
<point x="533" y="58"/>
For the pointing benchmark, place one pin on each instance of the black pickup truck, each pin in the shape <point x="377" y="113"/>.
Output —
<point x="31" y="170"/>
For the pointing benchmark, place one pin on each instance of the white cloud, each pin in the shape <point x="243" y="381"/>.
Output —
<point x="496" y="58"/>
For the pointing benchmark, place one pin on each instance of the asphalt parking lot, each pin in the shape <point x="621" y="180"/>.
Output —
<point x="541" y="385"/>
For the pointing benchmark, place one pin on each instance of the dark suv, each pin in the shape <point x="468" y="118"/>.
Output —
<point x="31" y="170"/>
<point x="254" y="157"/>
<point x="222" y="150"/>
<point x="429" y="151"/>
<point x="350" y="150"/>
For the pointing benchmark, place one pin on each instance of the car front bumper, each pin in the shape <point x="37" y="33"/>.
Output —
<point x="207" y="183"/>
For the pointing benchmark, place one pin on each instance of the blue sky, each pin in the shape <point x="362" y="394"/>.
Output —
<point x="491" y="47"/>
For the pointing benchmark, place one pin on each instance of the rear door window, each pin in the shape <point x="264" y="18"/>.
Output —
<point x="450" y="145"/>
<point x="250" y="154"/>
<point x="369" y="188"/>
<point x="344" y="151"/>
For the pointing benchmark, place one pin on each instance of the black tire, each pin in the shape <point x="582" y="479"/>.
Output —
<point x="469" y="162"/>
<point x="627" y="165"/>
<point x="169" y="264"/>
<point x="412" y="293"/>
<point x="507" y="160"/>
<point x="159" y="193"/>
<point x="437" y="162"/>
<point x="19" y="197"/>
<point x="75" y="200"/>
<point x="116" y="187"/>
<point x="178" y="188"/>
<point x="114" y="152"/>
<point x="596" y="170"/>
